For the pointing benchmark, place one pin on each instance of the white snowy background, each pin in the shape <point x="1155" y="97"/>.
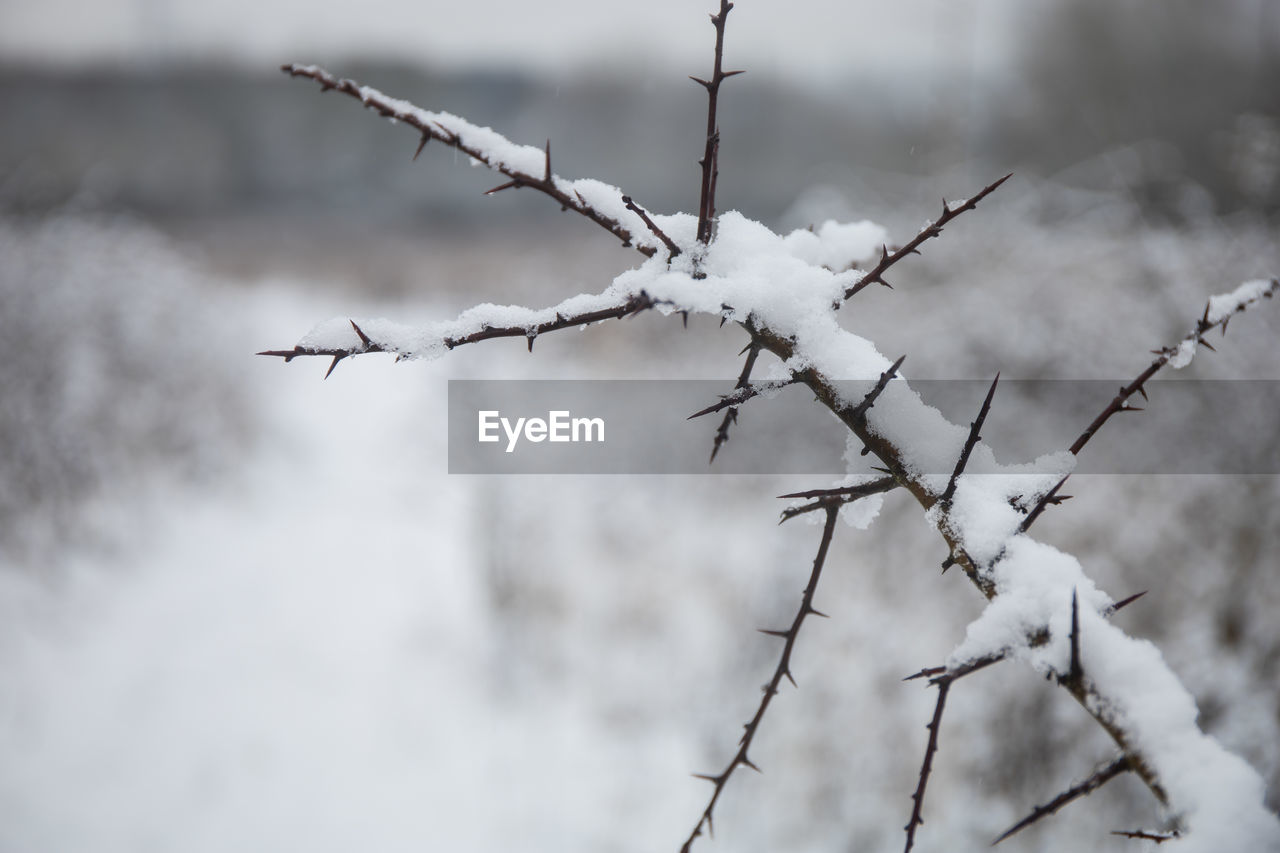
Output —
<point x="241" y="608"/>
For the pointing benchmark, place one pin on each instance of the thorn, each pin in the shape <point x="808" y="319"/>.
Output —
<point x="547" y="173"/>
<point x="529" y="339"/>
<point x="426" y="137"/>
<point x="508" y="185"/>
<point x="772" y="633"/>
<point x="1207" y="345"/>
<point x="364" y="339"/>
<point x="749" y="763"/>
<point x="684" y="318"/>
<point x="724" y="75"/>
<point x="927" y="672"/>
<point x="881" y="470"/>
<point x="1077" y="670"/>
<point x="337" y="358"/>
<point x="1125" y="602"/>
<point x="948" y="563"/>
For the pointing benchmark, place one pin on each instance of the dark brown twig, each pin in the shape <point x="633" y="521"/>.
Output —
<point x="731" y="416"/>
<point x="941" y="677"/>
<point x="933" y="229"/>
<point x="969" y="444"/>
<point x="1095" y="781"/>
<point x="861" y="490"/>
<point x="838" y="497"/>
<point x="390" y="108"/>
<point x="943" y="684"/>
<point x="859" y="412"/>
<point x="783" y="670"/>
<point x="672" y="248"/>
<point x="634" y="305"/>
<point x="710" y="161"/>
<point x="1143" y="835"/>
<point x="1050" y="497"/>
<point x="1120" y="403"/>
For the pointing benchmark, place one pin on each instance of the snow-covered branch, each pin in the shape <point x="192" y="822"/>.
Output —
<point x="785" y="291"/>
<point x="525" y="165"/>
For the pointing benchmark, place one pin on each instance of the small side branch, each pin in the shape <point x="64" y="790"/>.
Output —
<point x="633" y="305"/>
<point x="969" y="444"/>
<point x="941" y="677"/>
<point x="1099" y="778"/>
<point x="710" y="161"/>
<point x="837" y="497"/>
<point x="672" y="248"/>
<point x="1194" y="338"/>
<point x="731" y="415"/>
<point x="943" y="684"/>
<point x="933" y="229"/>
<point x="1143" y="835"/>
<point x="783" y="670"/>
<point x="429" y="128"/>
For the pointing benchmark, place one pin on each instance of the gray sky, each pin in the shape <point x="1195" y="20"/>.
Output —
<point x="796" y="38"/>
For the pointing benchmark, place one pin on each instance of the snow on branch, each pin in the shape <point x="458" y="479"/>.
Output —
<point x="525" y="165"/>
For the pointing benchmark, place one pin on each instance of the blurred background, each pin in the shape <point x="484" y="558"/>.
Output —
<point x="244" y="608"/>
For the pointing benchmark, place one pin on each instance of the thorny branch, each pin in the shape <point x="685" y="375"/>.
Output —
<point x="853" y="416"/>
<point x="783" y="670"/>
<point x="970" y="443"/>
<point x="933" y="229"/>
<point x="398" y="111"/>
<point x="710" y="161"/>
<point x="1120" y="403"/>
<point x="634" y="305"/>
<point x="931" y="749"/>
<point x="1096" y="780"/>
<point x="731" y="416"/>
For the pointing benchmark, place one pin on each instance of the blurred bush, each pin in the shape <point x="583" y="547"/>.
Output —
<point x="112" y="372"/>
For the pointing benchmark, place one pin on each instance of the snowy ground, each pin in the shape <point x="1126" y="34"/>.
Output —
<point x="329" y="644"/>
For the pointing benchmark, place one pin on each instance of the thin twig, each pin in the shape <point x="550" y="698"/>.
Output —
<point x="1143" y="835"/>
<point x="943" y="684"/>
<point x="1120" y="403"/>
<point x="933" y="229"/>
<point x="838" y="497"/>
<point x="633" y="305"/>
<point x="672" y="248"/>
<point x="783" y="670"/>
<point x="731" y="416"/>
<point x="969" y="444"/>
<point x="1095" y="781"/>
<point x="430" y="129"/>
<point x="710" y="161"/>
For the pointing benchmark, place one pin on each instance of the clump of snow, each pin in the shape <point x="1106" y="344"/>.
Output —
<point x="1225" y="304"/>
<point x="1183" y="354"/>
<point x="837" y="245"/>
